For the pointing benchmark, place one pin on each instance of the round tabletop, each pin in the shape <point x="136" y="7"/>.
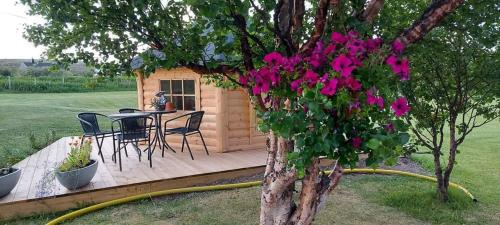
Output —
<point x="160" y="111"/>
<point x="124" y="115"/>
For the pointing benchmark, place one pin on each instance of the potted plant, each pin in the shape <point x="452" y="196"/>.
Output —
<point x="159" y="101"/>
<point x="78" y="169"/>
<point x="8" y="179"/>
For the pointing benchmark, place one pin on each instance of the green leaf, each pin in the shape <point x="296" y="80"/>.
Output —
<point x="373" y="144"/>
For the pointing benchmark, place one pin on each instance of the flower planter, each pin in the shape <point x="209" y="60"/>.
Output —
<point x="9" y="181"/>
<point x="77" y="178"/>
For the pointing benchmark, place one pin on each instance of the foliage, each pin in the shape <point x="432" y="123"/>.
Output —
<point x="78" y="157"/>
<point x="456" y="85"/>
<point x="5" y="72"/>
<point x="336" y="101"/>
<point x="39" y="144"/>
<point x="46" y="84"/>
<point x="109" y="34"/>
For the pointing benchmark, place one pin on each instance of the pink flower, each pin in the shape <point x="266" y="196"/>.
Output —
<point x="400" y="106"/>
<point x="356" y="142"/>
<point x="274" y="59"/>
<point x="352" y="34"/>
<point x="397" y="46"/>
<point x="399" y="66"/>
<point x="370" y="98"/>
<point x="355" y="47"/>
<point x="316" y="60"/>
<point x="243" y="80"/>
<point x="295" y="85"/>
<point x="380" y="102"/>
<point x="374" y="100"/>
<point x="373" y="45"/>
<point x="352" y="83"/>
<point x="329" y="49"/>
<point x="261" y="86"/>
<point x="324" y="78"/>
<point x="338" y="38"/>
<point x="330" y="87"/>
<point x="343" y="65"/>
<point x="290" y="63"/>
<point x="311" y="78"/>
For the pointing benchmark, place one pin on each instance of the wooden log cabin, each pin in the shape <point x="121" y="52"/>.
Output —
<point x="229" y="123"/>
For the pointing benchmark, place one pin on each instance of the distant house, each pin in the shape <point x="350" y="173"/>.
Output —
<point x="33" y="64"/>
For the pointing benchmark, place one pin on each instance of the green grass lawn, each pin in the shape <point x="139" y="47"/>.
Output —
<point x="42" y="114"/>
<point x="359" y="199"/>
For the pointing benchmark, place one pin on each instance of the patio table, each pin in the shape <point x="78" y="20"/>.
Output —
<point x="159" y="138"/>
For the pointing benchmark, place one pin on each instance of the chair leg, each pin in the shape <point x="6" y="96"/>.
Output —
<point x="163" y="147"/>
<point x="187" y="144"/>
<point x="113" y="157"/>
<point x="126" y="151"/>
<point x="150" y="154"/>
<point x="119" y="155"/>
<point x="183" y="140"/>
<point x="99" y="146"/>
<point x="203" y="141"/>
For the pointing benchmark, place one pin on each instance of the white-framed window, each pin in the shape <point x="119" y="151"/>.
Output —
<point x="181" y="92"/>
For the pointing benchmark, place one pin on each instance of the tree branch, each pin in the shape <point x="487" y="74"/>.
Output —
<point x="283" y="23"/>
<point x="430" y="18"/>
<point x="371" y="10"/>
<point x="319" y="25"/>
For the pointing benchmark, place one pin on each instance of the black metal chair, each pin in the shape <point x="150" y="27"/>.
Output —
<point x="132" y="130"/>
<point x="192" y="126"/>
<point x="90" y="127"/>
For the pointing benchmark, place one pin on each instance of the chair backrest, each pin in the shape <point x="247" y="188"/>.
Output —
<point x="135" y="125"/>
<point x="89" y="122"/>
<point x="128" y="110"/>
<point x="194" y="120"/>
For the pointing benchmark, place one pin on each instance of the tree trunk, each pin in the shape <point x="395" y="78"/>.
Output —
<point x="277" y="205"/>
<point x="442" y="190"/>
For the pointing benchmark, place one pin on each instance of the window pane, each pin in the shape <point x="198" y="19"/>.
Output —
<point x="165" y="86"/>
<point x="189" y="87"/>
<point x="177" y="100"/>
<point x="189" y="103"/>
<point x="177" y="86"/>
<point x="169" y="98"/>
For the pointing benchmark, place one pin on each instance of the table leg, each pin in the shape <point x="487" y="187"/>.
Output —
<point x="162" y="138"/>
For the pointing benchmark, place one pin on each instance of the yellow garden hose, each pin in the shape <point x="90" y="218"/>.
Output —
<point x="119" y="201"/>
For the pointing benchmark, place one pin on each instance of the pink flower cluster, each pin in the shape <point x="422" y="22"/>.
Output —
<point x="334" y="66"/>
<point x="399" y="65"/>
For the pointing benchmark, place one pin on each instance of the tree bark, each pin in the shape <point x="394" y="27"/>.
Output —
<point x="277" y="205"/>
<point x="431" y="17"/>
<point x="278" y="185"/>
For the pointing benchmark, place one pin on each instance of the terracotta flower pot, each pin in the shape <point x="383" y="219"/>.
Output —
<point x="169" y="106"/>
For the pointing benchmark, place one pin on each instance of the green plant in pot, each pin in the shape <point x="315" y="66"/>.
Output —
<point x="77" y="169"/>
<point x="9" y="176"/>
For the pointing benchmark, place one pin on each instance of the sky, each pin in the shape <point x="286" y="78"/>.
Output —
<point x="12" y="43"/>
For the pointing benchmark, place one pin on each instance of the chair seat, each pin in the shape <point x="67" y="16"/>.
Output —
<point x="179" y="130"/>
<point x="99" y="133"/>
<point x="133" y="136"/>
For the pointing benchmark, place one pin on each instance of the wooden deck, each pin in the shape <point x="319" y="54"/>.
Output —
<point x="38" y="191"/>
